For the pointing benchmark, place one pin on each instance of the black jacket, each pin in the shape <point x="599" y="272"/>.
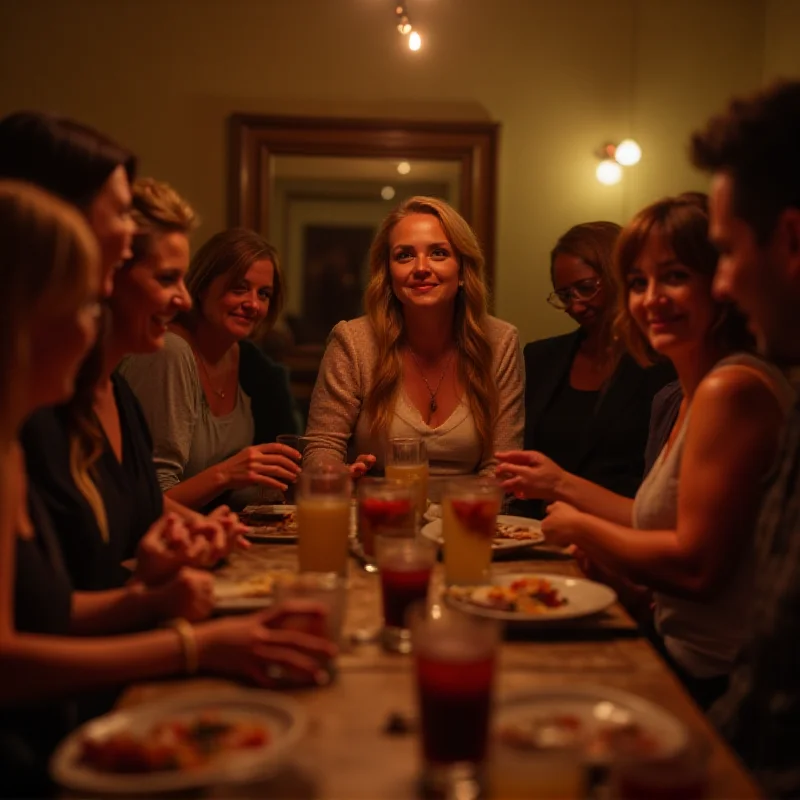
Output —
<point x="621" y="415"/>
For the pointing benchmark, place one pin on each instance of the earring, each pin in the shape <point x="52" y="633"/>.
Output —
<point x="460" y="284"/>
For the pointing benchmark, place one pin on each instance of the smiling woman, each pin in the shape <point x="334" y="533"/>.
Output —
<point x="213" y="401"/>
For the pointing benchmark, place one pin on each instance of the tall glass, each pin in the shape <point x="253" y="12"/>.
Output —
<point x="469" y="518"/>
<point x="455" y="657"/>
<point x="323" y="518"/>
<point x="298" y="443"/>
<point x="407" y="461"/>
<point x="405" y="564"/>
<point x="383" y="504"/>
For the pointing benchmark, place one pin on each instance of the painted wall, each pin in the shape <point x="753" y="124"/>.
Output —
<point x="782" y="39"/>
<point x="562" y="77"/>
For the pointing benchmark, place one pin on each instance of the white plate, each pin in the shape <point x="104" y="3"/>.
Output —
<point x="433" y="531"/>
<point x="584" y="598"/>
<point x="596" y="707"/>
<point x="266" y="533"/>
<point x="282" y="717"/>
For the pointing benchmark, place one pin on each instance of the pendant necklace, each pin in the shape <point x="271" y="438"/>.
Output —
<point x="433" y="406"/>
<point x="218" y="392"/>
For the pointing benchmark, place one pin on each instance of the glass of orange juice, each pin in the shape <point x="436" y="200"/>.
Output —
<point x="407" y="461"/>
<point x="469" y="517"/>
<point x="323" y="518"/>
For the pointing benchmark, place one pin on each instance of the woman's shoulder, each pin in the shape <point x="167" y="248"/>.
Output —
<point x="176" y="352"/>
<point x="550" y="344"/>
<point x="354" y="336"/>
<point x="501" y="333"/>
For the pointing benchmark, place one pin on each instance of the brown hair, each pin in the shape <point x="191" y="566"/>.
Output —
<point x="756" y="141"/>
<point x="49" y="258"/>
<point x="683" y="222"/>
<point x="157" y="209"/>
<point x="231" y="253"/>
<point x="593" y="243"/>
<point x="385" y="313"/>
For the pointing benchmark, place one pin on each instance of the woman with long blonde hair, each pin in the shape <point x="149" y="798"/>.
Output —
<point x="427" y="360"/>
<point x="55" y="642"/>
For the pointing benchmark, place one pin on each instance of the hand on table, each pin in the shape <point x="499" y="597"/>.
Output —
<point x="528" y="474"/>
<point x="164" y="549"/>
<point x="189" y="594"/>
<point x="275" y="465"/>
<point x="248" y="647"/>
<point x="562" y="523"/>
<point x="363" y="464"/>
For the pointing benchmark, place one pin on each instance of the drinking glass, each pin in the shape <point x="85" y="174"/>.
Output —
<point x="519" y="773"/>
<point x="323" y="518"/>
<point x="455" y="656"/>
<point x="383" y="504"/>
<point x="407" y="461"/>
<point x="325" y="588"/>
<point x="405" y="564"/>
<point x="299" y="443"/>
<point x="469" y="518"/>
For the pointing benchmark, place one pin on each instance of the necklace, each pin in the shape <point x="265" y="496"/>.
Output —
<point x="433" y="406"/>
<point x="218" y="392"/>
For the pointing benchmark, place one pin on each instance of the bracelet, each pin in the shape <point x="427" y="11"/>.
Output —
<point x="185" y="633"/>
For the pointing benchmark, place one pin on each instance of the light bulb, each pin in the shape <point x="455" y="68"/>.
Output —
<point x="387" y="193"/>
<point x="414" y="41"/>
<point x="628" y="153"/>
<point x="404" y="26"/>
<point x="609" y="172"/>
<point x="404" y="167"/>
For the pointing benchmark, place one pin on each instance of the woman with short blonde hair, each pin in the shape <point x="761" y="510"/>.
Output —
<point x="427" y="360"/>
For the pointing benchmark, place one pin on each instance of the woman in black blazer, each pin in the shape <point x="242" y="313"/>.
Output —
<point x="587" y="406"/>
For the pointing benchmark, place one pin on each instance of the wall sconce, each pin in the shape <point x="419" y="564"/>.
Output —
<point x="613" y="157"/>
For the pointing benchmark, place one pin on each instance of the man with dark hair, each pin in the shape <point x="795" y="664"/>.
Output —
<point x="753" y="152"/>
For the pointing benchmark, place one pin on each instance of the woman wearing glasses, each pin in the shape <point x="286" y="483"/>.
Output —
<point x="587" y="404"/>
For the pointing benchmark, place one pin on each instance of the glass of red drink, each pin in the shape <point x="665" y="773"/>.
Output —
<point x="383" y="505"/>
<point x="405" y="564"/>
<point x="455" y="657"/>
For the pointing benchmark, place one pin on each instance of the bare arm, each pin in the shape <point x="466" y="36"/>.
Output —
<point x="594" y="499"/>
<point x="730" y="443"/>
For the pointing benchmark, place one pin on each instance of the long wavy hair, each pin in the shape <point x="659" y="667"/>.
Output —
<point x="593" y="243"/>
<point x="683" y="222"/>
<point x="385" y="313"/>
<point x="50" y="257"/>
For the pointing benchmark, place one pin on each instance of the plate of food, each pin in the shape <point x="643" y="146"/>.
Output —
<point x="532" y="598"/>
<point x="187" y="742"/>
<point x="250" y="594"/>
<point x="511" y="533"/>
<point x="597" y="721"/>
<point x="270" y="523"/>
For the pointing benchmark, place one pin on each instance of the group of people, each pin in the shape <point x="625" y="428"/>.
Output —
<point x="659" y="441"/>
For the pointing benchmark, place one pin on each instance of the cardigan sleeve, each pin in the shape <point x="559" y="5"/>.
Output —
<point x="510" y="421"/>
<point x="336" y="400"/>
<point x="166" y="385"/>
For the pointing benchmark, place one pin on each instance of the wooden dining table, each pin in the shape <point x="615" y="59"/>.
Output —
<point x="350" y="750"/>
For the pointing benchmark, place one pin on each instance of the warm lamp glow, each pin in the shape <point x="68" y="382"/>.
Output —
<point x="387" y="193"/>
<point x="628" y="153"/>
<point x="414" y="40"/>
<point x="404" y="167"/>
<point x="609" y="172"/>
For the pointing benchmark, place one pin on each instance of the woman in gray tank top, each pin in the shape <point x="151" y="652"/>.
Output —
<point x="687" y="535"/>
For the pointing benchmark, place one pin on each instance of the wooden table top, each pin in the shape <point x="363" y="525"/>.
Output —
<point x="346" y="754"/>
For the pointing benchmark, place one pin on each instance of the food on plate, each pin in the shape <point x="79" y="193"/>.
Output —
<point x="261" y="585"/>
<point x="597" y="739"/>
<point x="269" y="520"/>
<point x="523" y="595"/>
<point x="173" y="745"/>
<point x="519" y="533"/>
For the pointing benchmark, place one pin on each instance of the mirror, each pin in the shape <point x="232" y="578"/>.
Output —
<point x="318" y="188"/>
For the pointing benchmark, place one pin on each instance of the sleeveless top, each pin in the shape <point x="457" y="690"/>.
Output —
<point x="704" y="637"/>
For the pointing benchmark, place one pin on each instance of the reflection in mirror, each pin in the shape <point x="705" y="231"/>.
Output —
<point x="324" y="213"/>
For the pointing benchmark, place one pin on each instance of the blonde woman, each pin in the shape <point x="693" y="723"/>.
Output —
<point x="427" y="360"/>
<point x="212" y="399"/>
<point x="50" y="637"/>
<point x="94" y="470"/>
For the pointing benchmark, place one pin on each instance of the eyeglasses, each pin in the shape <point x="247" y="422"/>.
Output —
<point x="584" y="290"/>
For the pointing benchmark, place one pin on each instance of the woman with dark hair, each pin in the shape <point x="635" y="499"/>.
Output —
<point x="687" y="534"/>
<point x="587" y="402"/>
<point x="213" y="401"/>
<point x="427" y="360"/>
